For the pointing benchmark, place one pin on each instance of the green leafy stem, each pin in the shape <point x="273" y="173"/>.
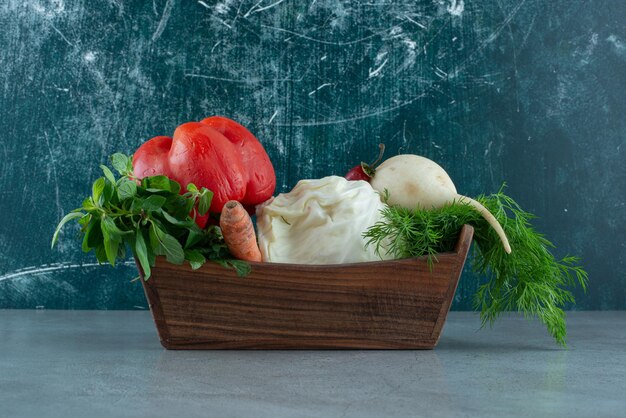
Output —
<point x="151" y="217"/>
<point x="529" y="280"/>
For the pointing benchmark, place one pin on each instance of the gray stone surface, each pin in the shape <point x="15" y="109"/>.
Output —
<point x="110" y="363"/>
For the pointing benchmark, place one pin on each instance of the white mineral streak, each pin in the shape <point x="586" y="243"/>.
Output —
<point x="456" y="7"/>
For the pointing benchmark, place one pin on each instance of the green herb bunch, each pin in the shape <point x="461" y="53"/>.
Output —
<point x="529" y="280"/>
<point x="151" y="217"/>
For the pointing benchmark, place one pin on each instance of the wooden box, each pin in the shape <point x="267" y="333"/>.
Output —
<point x="399" y="304"/>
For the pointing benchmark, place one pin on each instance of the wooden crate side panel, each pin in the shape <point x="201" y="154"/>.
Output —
<point x="393" y="304"/>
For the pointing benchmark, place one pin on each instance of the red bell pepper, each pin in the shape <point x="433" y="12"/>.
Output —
<point x="217" y="153"/>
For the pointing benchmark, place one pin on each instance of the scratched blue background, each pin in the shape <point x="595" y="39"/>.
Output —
<point x="524" y="91"/>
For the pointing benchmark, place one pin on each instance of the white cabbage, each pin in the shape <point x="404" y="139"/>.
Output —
<point x="320" y="222"/>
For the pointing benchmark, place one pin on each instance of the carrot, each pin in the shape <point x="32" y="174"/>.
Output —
<point x="238" y="232"/>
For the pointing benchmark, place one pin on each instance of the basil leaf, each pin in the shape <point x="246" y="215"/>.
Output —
<point x="90" y="226"/>
<point x="95" y="235"/>
<point x="108" y="225"/>
<point x="84" y="220"/>
<point x="141" y="251"/>
<point x="85" y="246"/>
<point x="187" y="223"/>
<point x="156" y="184"/>
<point x="122" y="163"/>
<point x="177" y="206"/>
<point x="96" y="191"/>
<point x="153" y="202"/>
<point x="193" y="238"/>
<point x="70" y="216"/>
<point x="108" y="173"/>
<point x="242" y="268"/>
<point x="136" y="204"/>
<point x="101" y="255"/>
<point x="174" y="187"/>
<point x="205" y="201"/>
<point x="111" y="242"/>
<point x="121" y="251"/>
<point x="151" y="256"/>
<point x="192" y="188"/>
<point x="89" y="205"/>
<point x="189" y="206"/>
<point x="126" y="189"/>
<point x="165" y="244"/>
<point x="107" y="194"/>
<point x="195" y="258"/>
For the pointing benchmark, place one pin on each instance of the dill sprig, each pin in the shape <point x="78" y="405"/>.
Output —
<point x="529" y="280"/>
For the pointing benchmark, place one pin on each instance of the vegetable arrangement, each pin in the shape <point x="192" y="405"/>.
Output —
<point x="216" y="153"/>
<point x="405" y="207"/>
<point x="425" y="216"/>
<point x="528" y="280"/>
<point x="417" y="182"/>
<point x="151" y="217"/>
<point x="147" y="210"/>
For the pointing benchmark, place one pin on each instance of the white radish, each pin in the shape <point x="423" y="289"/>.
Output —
<point x="417" y="182"/>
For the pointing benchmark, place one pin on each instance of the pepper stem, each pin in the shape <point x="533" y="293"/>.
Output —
<point x="370" y="169"/>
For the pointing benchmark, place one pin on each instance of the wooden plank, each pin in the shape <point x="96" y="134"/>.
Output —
<point x="386" y="304"/>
